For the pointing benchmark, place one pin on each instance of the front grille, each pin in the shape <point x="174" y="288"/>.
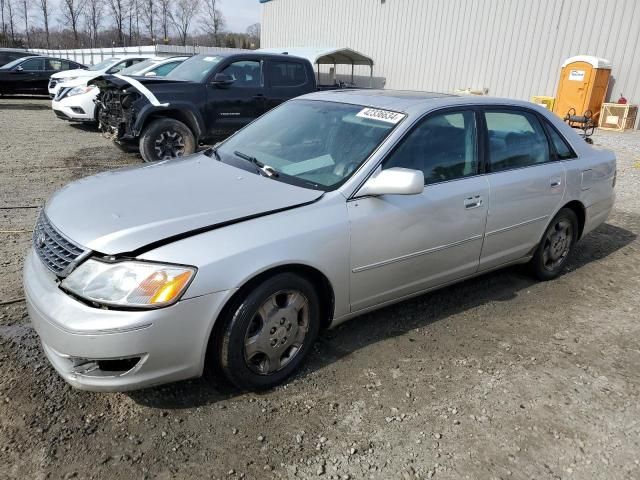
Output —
<point x="55" y="251"/>
<point x="52" y="83"/>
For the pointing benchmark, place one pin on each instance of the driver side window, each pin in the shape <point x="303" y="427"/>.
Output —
<point x="443" y="147"/>
<point x="33" y="65"/>
<point x="117" y="67"/>
<point x="246" y="74"/>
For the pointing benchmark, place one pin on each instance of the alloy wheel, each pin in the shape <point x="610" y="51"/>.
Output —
<point x="169" y="144"/>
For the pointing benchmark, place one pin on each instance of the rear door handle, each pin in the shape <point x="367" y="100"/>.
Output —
<point x="555" y="182"/>
<point x="473" y="202"/>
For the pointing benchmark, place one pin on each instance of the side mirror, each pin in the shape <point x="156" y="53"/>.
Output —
<point x="18" y="68"/>
<point x="150" y="74"/>
<point x="222" y="79"/>
<point x="394" y="181"/>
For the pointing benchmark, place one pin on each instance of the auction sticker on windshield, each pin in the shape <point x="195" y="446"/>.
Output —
<point x="382" y="115"/>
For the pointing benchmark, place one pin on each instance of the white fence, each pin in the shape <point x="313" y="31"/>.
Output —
<point x="90" y="56"/>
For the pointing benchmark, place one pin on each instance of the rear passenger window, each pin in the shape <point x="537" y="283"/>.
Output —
<point x="287" y="74"/>
<point x="443" y="146"/>
<point x="563" y="149"/>
<point x="516" y="140"/>
<point x="54" y="64"/>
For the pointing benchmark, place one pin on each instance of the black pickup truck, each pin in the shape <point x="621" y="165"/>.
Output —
<point x="203" y="100"/>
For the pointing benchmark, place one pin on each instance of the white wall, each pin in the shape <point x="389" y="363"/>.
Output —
<point x="515" y="48"/>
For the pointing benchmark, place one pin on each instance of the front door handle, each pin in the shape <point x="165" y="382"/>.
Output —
<point x="473" y="202"/>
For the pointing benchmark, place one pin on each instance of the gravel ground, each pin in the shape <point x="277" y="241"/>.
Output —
<point x="498" y="377"/>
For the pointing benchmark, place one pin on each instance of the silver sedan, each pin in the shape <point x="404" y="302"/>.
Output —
<point x="329" y="206"/>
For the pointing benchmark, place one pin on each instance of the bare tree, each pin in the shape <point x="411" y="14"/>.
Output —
<point x="182" y="15"/>
<point x="253" y="32"/>
<point x="4" y="25"/>
<point x="11" y="12"/>
<point x="25" y="17"/>
<point x="118" y="9"/>
<point x="71" y="12"/>
<point x="44" y="9"/>
<point x="149" y="13"/>
<point x="165" y="19"/>
<point x="213" y="22"/>
<point x="93" y="17"/>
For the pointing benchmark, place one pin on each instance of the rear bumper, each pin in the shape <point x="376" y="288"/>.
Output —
<point x="155" y="346"/>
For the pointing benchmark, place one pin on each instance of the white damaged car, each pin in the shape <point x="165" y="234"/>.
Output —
<point x="75" y="100"/>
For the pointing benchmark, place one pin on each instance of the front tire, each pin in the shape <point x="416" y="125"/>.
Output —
<point x="166" y="138"/>
<point x="267" y="333"/>
<point x="556" y="245"/>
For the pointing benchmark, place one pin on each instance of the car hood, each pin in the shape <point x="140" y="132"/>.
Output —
<point x="124" y="211"/>
<point x="79" y="72"/>
<point x="78" y="82"/>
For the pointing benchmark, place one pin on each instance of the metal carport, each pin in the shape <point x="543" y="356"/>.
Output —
<point x="328" y="56"/>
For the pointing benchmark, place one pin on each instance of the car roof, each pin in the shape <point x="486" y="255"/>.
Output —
<point x="46" y="56"/>
<point x="253" y="53"/>
<point x="411" y="102"/>
<point x="19" y="50"/>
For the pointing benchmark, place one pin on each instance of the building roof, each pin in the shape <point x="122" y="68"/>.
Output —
<point x="325" y="55"/>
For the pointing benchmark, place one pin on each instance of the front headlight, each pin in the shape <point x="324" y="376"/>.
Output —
<point x="129" y="283"/>
<point x="66" y="79"/>
<point x="81" y="90"/>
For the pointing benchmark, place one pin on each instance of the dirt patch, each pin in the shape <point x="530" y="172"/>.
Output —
<point x="497" y="377"/>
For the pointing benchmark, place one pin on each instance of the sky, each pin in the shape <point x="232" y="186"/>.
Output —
<point x="240" y="13"/>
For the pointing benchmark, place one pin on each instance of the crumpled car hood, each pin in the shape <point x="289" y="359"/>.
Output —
<point x="126" y="210"/>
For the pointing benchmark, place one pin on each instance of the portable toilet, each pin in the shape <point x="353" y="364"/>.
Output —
<point x="584" y="81"/>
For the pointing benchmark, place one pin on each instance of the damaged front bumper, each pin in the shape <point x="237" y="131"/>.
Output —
<point x="114" y="350"/>
<point x="116" y="112"/>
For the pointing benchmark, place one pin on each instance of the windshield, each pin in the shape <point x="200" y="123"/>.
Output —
<point x="316" y="144"/>
<point x="195" y="69"/>
<point x="138" y="67"/>
<point x="103" y="64"/>
<point x="14" y="63"/>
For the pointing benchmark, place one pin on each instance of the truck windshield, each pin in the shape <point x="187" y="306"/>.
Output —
<point x="195" y="69"/>
<point x="315" y="144"/>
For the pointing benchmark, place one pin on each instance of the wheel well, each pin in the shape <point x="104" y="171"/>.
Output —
<point x="579" y="210"/>
<point x="179" y="115"/>
<point x="316" y="277"/>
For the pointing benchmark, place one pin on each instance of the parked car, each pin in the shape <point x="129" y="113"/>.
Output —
<point x="31" y="74"/>
<point x="329" y="206"/>
<point x="10" y="54"/>
<point x="75" y="100"/>
<point x="110" y="65"/>
<point x="204" y="100"/>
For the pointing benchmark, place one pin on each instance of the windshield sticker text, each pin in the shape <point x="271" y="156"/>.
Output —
<point x="381" y="115"/>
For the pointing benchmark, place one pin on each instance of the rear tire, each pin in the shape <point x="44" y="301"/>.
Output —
<point x="267" y="333"/>
<point x="556" y="245"/>
<point x="166" y="138"/>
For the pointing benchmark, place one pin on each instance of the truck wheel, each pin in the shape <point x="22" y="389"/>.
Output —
<point x="166" y="138"/>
